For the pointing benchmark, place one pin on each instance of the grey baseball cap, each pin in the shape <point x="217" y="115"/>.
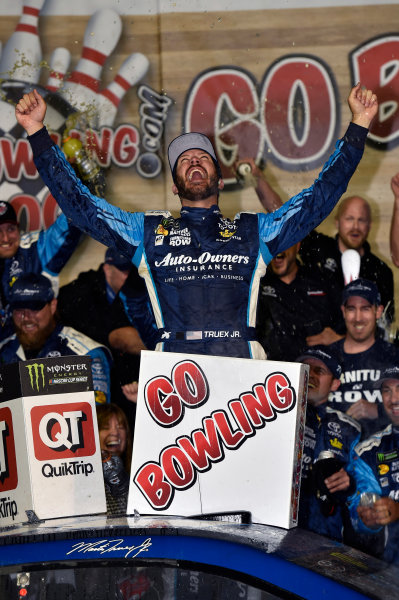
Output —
<point x="190" y="141"/>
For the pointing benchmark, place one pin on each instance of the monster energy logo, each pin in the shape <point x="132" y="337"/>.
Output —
<point x="36" y="371"/>
<point x="384" y="456"/>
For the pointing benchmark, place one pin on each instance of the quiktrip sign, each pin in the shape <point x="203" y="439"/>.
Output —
<point x="217" y="434"/>
<point x="50" y="463"/>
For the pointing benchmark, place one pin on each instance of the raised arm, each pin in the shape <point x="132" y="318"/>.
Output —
<point x="30" y="112"/>
<point x="306" y="210"/>
<point x="363" y="104"/>
<point x="268" y="197"/>
<point x="93" y="215"/>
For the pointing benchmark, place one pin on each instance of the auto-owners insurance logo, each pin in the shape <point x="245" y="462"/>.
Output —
<point x="63" y="431"/>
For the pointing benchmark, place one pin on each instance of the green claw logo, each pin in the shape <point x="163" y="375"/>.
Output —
<point x="35" y="371"/>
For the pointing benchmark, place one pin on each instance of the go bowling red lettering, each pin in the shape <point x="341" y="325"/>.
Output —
<point x="376" y="65"/>
<point x="296" y="125"/>
<point x="213" y="95"/>
<point x="177" y="467"/>
<point x="299" y="114"/>
<point x="165" y="398"/>
<point x="16" y="161"/>
<point x="150" y="480"/>
<point x="179" y="463"/>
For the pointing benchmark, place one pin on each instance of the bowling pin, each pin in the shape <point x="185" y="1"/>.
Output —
<point x="22" y="54"/>
<point x="59" y="63"/>
<point x="101" y="36"/>
<point x="132" y="70"/>
<point x="350" y="261"/>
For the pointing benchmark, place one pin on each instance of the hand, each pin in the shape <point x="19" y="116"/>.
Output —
<point x="268" y="197"/>
<point x="363" y="104"/>
<point x="367" y="515"/>
<point x="338" y="482"/>
<point x="363" y="410"/>
<point x="384" y="511"/>
<point x="130" y="391"/>
<point x="255" y="171"/>
<point x="30" y="112"/>
<point x="395" y="186"/>
<point x="325" y="337"/>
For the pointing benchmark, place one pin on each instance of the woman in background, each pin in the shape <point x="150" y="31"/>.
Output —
<point x="116" y="451"/>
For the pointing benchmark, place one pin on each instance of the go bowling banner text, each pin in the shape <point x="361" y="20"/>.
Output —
<point x="217" y="434"/>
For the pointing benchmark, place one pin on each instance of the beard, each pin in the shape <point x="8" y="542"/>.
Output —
<point x="197" y="192"/>
<point x="34" y="341"/>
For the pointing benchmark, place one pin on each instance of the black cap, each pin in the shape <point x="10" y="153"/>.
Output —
<point x="364" y="288"/>
<point x="388" y="373"/>
<point x="7" y="213"/>
<point x="324" y="355"/>
<point x="113" y="257"/>
<point x="31" y="291"/>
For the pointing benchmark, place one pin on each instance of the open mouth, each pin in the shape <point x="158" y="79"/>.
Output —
<point x="279" y="259"/>
<point x="113" y="444"/>
<point x="196" y="174"/>
<point x="29" y="326"/>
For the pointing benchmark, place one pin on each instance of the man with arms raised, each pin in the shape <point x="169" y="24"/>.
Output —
<point x="202" y="270"/>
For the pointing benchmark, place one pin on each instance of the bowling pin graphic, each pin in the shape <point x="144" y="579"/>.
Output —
<point x="59" y="63"/>
<point x="350" y="261"/>
<point x="132" y="70"/>
<point x="101" y="36"/>
<point x="22" y="54"/>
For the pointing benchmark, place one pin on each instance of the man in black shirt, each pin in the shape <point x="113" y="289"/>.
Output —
<point x="353" y="221"/>
<point x="297" y="308"/>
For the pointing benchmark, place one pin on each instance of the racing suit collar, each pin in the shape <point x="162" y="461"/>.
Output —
<point x="197" y="214"/>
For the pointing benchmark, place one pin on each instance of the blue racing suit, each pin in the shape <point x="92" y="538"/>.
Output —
<point x="39" y="252"/>
<point x="325" y="429"/>
<point x="375" y="467"/>
<point x="66" y="341"/>
<point x="202" y="270"/>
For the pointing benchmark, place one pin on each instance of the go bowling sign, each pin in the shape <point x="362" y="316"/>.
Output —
<point x="216" y="435"/>
<point x="50" y="464"/>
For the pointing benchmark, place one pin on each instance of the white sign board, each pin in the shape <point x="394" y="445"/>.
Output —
<point x="50" y="461"/>
<point x="216" y="435"/>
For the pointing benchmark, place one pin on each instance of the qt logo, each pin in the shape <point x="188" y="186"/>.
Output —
<point x="63" y="431"/>
<point x="8" y="461"/>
